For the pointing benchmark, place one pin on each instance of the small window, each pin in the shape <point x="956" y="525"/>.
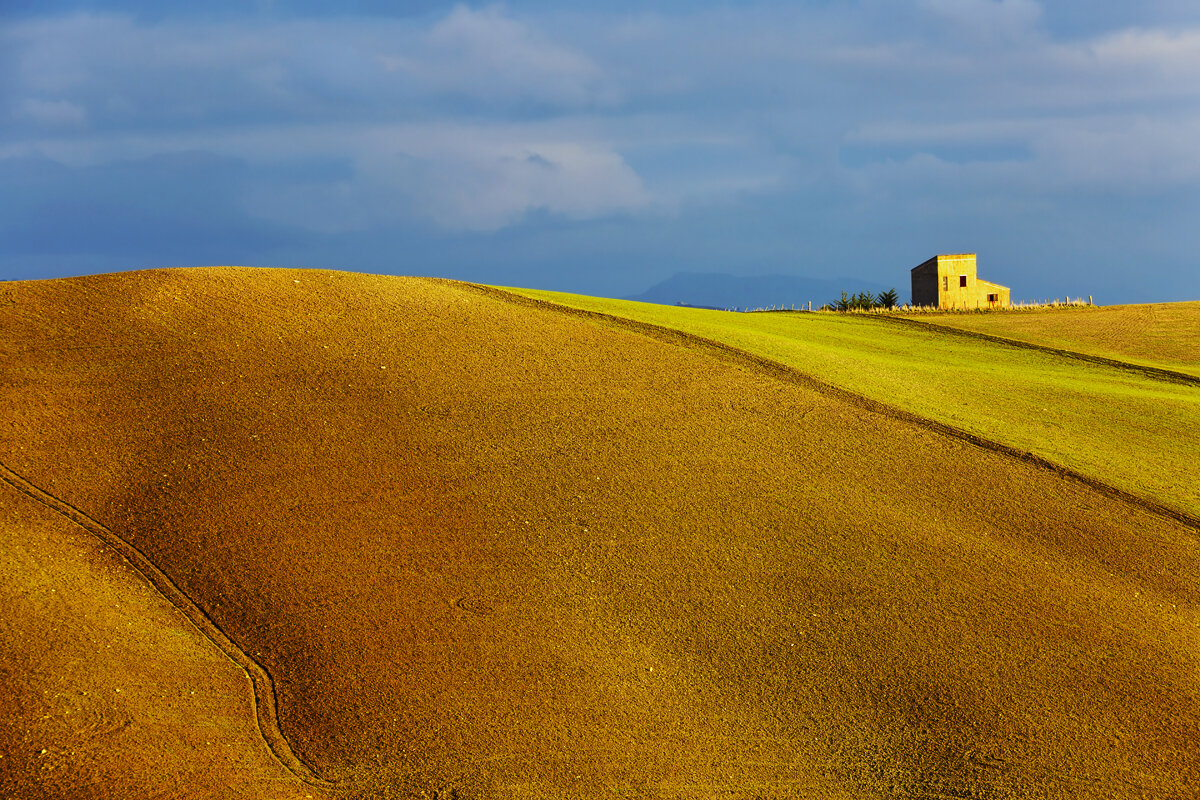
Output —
<point x="992" y="298"/>
<point x="962" y="280"/>
<point x="945" y="283"/>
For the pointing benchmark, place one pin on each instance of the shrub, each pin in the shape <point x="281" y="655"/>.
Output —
<point x="862" y="301"/>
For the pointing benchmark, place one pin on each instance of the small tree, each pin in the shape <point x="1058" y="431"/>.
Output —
<point x="889" y="299"/>
<point x="863" y="301"/>
<point x="860" y="301"/>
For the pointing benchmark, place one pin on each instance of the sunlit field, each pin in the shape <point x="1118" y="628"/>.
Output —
<point x="1137" y="433"/>
<point x="301" y="533"/>
<point x="1164" y="335"/>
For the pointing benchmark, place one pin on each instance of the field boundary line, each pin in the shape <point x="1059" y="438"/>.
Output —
<point x="263" y="687"/>
<point x="788" y="374"/>
<point x="1157" y="373"/>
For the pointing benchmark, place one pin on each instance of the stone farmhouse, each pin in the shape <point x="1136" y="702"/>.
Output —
<point x="950" y="281"/>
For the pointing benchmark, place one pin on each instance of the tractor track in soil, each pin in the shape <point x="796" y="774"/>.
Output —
<point x="262" y="685"/>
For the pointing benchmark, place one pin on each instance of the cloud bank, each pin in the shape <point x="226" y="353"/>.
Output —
<point x="601" y="150"/>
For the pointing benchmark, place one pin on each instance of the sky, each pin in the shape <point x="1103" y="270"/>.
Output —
<point x="602" y="147"/>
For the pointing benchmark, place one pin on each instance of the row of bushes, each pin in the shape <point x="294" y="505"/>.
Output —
<point x="864" y="301"/>
<point x="887" y="301"/>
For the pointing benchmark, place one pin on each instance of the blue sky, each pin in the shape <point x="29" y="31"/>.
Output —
<point x="602" y="147"/>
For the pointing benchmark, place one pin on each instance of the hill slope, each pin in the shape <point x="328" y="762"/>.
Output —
<point x="1162" y="335"/>
<point x="108" y="691"/>
<point x="1132" y="431"/>
<point x="500" y="550"/>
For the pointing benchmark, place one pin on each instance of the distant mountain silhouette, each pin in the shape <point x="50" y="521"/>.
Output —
<point x="720" y="290"/>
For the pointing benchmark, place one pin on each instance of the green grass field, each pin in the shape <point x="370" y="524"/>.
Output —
<point x="1135" y="433"/>
<point x="1162" y="335"/>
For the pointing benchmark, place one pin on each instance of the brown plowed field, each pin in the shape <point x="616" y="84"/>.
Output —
<point x="108" y="692"/>
<point x="486" y="550"/>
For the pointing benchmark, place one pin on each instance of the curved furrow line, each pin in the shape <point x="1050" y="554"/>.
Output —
<point x="263" y="694"/>
<point x="791" y="375"/>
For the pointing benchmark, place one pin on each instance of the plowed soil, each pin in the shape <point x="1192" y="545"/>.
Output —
<point x="487" y="550"/>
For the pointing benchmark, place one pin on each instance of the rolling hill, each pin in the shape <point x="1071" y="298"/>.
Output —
<point x="338" y="535"/>
<point x="1159" y="335"/>
<point x="1116" y="423"/>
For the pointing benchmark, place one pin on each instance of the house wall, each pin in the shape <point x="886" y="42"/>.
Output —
<point x="925" y="284"/>
<point x="950" y="293"/>
<point x="987" y="287"/>
<point x="936" y="282"/>
<point x="939" y="282"/>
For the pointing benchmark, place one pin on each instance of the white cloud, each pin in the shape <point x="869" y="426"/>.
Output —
<point x="1122" y="154"/>
<point x="987" y="18"/>
<point x="957" y="132"/>
<point x="52" y="113"/>
<point x="1115" y="155"/>
<point x="185" y="71"/>
<point x="479" y="118"/>
<point x="396" y="86"/>
<point x="489" y="56"/>
<point x="491" y="190"/>
<point x="487" y="178"/>
<point x="464" y="178"/>
<point x="1175" y="53"/>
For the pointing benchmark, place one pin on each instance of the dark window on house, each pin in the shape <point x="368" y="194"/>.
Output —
<point x="962" y="280"/>
<point x="945" y="283"/>
<point x="992" y="298"/>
